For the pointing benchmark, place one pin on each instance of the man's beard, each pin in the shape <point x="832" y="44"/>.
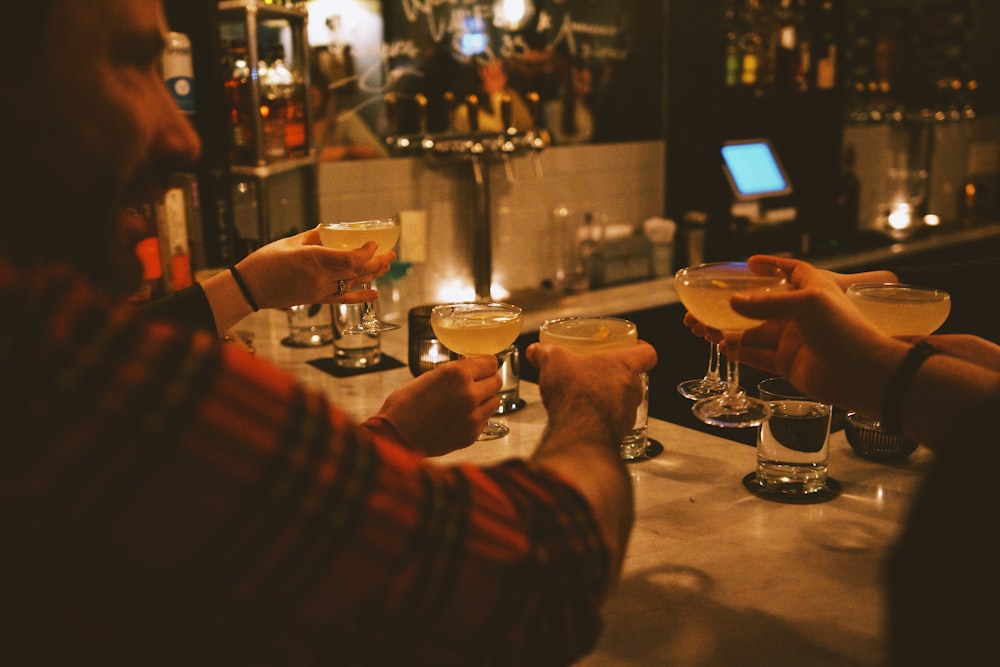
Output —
<point x="71" y="211"/>
<point x="41" y="227"/>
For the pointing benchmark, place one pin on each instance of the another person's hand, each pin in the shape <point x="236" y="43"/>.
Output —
<point x="445" y="408"/>
<point x="298" y="269"/>
<point x="970" y="348"/>
<point x="701" y="329"/>
<point x="813" y="336"/>
<point x="818" y="340"/>
<point x="845" y="280"/>
<point x="596" y="394"/>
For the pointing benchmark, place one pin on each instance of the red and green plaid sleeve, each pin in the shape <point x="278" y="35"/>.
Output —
<point x="169" y="499"/>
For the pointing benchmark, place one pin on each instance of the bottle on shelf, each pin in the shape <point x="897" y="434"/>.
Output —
<point x="178" y="71"/>
<point x="751" y="48"/>
<point x="734" y="28"/>
<point x="141" y="219"/>
<point x="272" y="109"/>
<point x="826" y="46"/>
<point x="242" y="148"/>
<point x="292" y="90"/>
<point x="174" y="242"/>
<point x="786" y="57"/>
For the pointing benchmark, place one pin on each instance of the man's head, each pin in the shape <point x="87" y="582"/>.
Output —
<point x="92" y="129"/>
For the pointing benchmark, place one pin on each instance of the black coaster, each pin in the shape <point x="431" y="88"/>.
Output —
<point x="653" y="448"/>
<point x="828" y="492"/>
<point x="328" y="365"/>
<point x="288" y="342"/>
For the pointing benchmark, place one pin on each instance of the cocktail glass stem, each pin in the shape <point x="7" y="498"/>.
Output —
<point x="720" y="410"/>
<point x="370" y="321"/>
<point x="712" y="375"/>
<point x="369" y="313"/>
<point x="733" y="392"/>
<point x="710" y="384"/>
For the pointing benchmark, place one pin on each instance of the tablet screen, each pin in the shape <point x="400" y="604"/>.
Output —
<point x="753" y="169"/>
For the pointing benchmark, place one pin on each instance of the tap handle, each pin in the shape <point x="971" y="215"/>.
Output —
<point x="449" y="105"/>
<point x="421" y="101"/>
<point x="392" y="112"/>
<point x="535" y="108"/>
<point x="507" y="113"/>
<point x="472" y="107"/>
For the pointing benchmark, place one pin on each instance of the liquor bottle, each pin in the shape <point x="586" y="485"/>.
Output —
<point x="292" y="91"/>
<point x="242" y="148"/>
<point x="272" y="109"/>
<point x="142" y="221"/>
<point x="751" y="47"/>
<point x="764" y="26"/>
<point x="172" y="231"/>
<point x="178" y="71"/>
<point x="803" y="62"/>
<point x="826" y="46"/>
<point x="734" y="29"/>
<point x="786" y="57"/>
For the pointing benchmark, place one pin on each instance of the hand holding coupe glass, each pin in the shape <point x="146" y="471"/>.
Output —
<point x="705" y="291"/>
<point x="351" y="235"/>
<point x="478" y="328"/>
<point x="898" y="310"/>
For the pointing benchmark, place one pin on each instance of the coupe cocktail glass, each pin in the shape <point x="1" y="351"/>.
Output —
<point x="353" y="235"/>
<point x="470" y="328"/>
<point x="705" y="291"/>
<point x="899" y="309"/>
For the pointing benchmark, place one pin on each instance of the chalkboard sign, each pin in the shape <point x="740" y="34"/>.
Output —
<point x="584" y="70"/>
<point x="569" y="52"/>
<point x="598" y="30"/>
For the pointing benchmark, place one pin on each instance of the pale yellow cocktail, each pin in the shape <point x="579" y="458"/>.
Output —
<point x="706" y="290"/>
<point x="476" y="328"/>
<point x="471" y="329"/>
<point x="707" y="296"/>
<point x="589" y="334"/>
<point x="901" y="310"/>
<point x="352" y="235"/>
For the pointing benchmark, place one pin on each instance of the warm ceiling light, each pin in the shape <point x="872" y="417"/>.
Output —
<point x="512" y="14"/>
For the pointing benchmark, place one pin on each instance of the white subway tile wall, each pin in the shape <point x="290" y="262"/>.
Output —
<point x="623" y="181"/>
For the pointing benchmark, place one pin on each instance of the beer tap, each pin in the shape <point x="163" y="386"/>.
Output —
<point x="505" y="143"/>
<point x="536" y="136"/>
<point x="450" y="105"/>
<point x="426" y="140"/>
<point x="476" y="148"/>
<point x="395" y="141"/>
<point x="470" y="143"/>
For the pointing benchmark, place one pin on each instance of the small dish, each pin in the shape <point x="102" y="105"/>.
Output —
<point x="869" y="441"/>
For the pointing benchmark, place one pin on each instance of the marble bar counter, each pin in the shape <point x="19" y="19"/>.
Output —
<point x="714" y="576"/>
<point x="540" y="304"/>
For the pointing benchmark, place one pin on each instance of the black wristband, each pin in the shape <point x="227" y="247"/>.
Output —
<point x="892" y="406"/>
<point x="243" y="288"/>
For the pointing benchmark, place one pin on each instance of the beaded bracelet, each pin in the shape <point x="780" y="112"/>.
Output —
<point x="243" y="288"/>
<point x="892" y="406"/>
